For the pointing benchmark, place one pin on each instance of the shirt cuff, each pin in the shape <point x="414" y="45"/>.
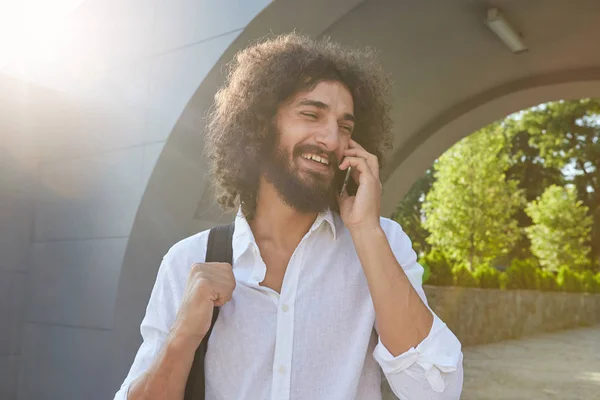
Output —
<point x="438" y="353"/>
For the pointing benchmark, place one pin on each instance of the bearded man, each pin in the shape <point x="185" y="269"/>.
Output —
<point x="322" y="293"/>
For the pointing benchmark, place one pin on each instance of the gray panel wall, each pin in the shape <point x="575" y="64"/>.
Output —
<point x="96" y="155"/>
<point x="17" y="182"/>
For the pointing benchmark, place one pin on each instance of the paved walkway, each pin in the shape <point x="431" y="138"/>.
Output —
<point x="563" y="365"/>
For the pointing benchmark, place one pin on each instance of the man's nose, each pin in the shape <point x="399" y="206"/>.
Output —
<point x="328" y="136"/>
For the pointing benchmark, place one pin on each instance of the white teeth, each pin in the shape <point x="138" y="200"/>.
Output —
<point x="316" y="158"/>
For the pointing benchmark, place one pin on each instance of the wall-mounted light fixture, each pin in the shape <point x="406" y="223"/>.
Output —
<point x="500" y="26"/>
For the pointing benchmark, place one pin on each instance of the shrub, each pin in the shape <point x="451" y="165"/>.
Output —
<point x="547" y="281"/>
<point x="426" y="273"/>
<point x="440" y="271"/>
<point x="463" y="276"/>
<point x="503" y="280"/>
<point x="488" y="277"/>
<point x="590" y="284"/>
<point x="522" y="274"/>
<point x="568" y="280"/>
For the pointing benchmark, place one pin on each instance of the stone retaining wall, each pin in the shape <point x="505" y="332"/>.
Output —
<point x="479" y="316"/>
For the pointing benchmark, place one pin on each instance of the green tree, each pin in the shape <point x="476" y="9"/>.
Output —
<point x="528" y="168"/>
<point x="409" y="213"/>
<point x="561" y="231"/>
<point x="470" y="207"/>
<point x="567" y="135"/>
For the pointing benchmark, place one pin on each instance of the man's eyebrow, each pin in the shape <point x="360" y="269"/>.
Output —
<point x="322" y="106"/>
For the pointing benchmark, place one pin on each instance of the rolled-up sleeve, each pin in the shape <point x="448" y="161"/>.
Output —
<point x="154" y="327"/>
<point x="433" y="370"/>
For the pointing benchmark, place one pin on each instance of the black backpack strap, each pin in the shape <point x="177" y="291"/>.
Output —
<point x="218" y="249"/>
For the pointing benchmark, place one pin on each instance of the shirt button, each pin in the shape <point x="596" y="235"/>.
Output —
<point x="282" y="369"/>
<point x="285" y="308"/>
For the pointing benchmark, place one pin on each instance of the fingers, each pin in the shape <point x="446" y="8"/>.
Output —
<point x="223" y="299"/>
<point x="216" y="280"/>
<point x="356" y="150"/>
<point x="357" y="163"/>
<point x="361" y="172"/>
<point x="371" y="159"/>
<point x="211" y="268"/>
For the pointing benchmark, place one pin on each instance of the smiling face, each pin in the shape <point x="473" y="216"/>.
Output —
<point x="312" y="130"/>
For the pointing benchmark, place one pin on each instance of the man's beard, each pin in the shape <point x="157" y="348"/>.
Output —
<point x="312" y="192"/>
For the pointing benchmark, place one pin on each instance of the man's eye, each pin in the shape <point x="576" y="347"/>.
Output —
<point x="311" y="115"/>
<point x="347" y="128"/>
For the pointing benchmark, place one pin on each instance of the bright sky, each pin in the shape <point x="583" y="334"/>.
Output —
<point x="30" y="30"/>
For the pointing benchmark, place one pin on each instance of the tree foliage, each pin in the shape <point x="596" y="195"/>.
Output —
<point x="528" y="168"/>
<point x="456" y="207"/>
<point x="488" y="277"/>
<point x="569" y="281"/>
<point x="522" y="274"/>
<point x="566" y="134"/>
<point x="471" y="205"/>
<point x="561" y="228"/>
<point x="464" y="277"/>
<point x="439" y="267"/>
<point x="547" y="281"/>
<point x="590" y="283"/>
<point x="410" y="216"/>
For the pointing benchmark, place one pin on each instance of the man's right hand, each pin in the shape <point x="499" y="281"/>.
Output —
<point x="208" y="285"/>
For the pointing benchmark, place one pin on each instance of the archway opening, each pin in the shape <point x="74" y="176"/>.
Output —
<point x="506" y="223"/>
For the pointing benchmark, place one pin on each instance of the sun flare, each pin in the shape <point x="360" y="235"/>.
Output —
<point x="30" y="30"/>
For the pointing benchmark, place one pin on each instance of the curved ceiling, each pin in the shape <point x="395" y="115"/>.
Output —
<point x="452" y="75"/>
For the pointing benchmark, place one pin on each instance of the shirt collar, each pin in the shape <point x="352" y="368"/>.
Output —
<point x="329" y="217"/>
<point x="243" y="238"/>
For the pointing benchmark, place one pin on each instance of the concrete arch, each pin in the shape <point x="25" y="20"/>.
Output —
<point x="418" y="154"/>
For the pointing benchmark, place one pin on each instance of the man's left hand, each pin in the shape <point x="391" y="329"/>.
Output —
<point x="362" y="210"/>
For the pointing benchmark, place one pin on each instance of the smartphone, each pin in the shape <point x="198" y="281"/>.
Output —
<point x="346" y="183"/>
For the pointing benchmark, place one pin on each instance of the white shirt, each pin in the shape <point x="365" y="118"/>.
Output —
<point x="315" y="340"/>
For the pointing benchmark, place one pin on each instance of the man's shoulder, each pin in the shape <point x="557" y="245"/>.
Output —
<point x="193" y="246"/>
<point x="390" y="226"/>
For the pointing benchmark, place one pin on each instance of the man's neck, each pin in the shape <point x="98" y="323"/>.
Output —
<point x="276" y="222"/>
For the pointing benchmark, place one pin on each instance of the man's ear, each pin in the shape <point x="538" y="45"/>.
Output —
<point x="263" y="130"/>
<point x="268" y="129"/>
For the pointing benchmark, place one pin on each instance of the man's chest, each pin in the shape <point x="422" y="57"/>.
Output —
<point x="316" y="295"/>
<point x="321" y="322"/>
<point x="276" y="263"/>
<point x="306" y="334"/>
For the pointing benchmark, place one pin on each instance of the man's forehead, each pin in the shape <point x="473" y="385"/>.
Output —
<point x="328" y="93"/>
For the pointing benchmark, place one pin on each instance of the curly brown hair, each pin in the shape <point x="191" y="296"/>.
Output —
<point x="265" y="75"/>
